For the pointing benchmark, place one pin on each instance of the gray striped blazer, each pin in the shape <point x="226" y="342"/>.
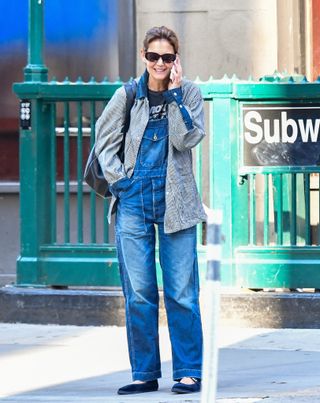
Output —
<point x="183" y="205"/>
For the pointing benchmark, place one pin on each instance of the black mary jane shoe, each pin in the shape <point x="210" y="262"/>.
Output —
<point x="148" y="386"/>
<point x="186" y="388"/>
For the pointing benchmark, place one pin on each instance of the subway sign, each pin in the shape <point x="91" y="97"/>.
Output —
<point x="281" y="134"/>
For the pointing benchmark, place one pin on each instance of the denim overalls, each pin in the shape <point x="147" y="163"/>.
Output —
<point x="140" y="206"/>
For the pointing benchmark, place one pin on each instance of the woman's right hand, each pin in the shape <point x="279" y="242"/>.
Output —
<point x="176" y="75"/>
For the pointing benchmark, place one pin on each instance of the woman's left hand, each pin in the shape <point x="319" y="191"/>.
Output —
<point x="175" y="75"/>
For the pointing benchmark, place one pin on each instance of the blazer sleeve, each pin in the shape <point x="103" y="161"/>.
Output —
<point x="108" y="132"/>
<point x="186" y="132"/>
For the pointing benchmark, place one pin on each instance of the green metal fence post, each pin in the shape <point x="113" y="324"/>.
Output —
<point x="35" y="69"/>
<point x="35" y="200"/>
<point x="35" y="157"/>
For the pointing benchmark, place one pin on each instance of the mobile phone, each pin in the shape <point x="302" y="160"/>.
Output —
<point x="173" y="73"/>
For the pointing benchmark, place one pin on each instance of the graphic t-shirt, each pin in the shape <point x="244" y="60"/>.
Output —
<point x="158" y="105"/>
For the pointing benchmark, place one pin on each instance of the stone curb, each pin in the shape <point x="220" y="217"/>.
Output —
<point x="83" y="307"/>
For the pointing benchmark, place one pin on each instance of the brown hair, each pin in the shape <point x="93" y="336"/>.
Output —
<point x="161" y="33"/>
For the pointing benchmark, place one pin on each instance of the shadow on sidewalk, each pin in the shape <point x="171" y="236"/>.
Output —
<point x="243" y="374"/>
<point x="270" y="365"/>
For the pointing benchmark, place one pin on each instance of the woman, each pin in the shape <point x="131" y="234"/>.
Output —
<point x="155" y="187"/>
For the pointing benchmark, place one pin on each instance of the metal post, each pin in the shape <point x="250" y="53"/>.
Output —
<point x="211" y="312"/>
<point x="35" y="157"/>
<point x="36" y="69"/>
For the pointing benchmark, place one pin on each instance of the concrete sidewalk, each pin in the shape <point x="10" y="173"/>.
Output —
<point x="49" y="363"/>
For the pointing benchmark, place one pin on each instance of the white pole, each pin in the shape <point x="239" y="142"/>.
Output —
<point x="211" y="307"/>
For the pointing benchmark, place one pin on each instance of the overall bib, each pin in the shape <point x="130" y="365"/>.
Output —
<point x="140" y="210"/>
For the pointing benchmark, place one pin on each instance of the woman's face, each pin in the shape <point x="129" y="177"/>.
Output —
<point x="158" y="70"/>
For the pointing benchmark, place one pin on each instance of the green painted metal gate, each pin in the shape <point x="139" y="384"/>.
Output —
<point x="271" y="213"/>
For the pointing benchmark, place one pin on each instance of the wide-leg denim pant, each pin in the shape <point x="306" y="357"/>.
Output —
<point x="140" y="212"/>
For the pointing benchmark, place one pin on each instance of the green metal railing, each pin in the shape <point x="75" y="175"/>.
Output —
<point x="280" y="225"/>
<point x="269" y="239"/>
<point x="83" y="139"/>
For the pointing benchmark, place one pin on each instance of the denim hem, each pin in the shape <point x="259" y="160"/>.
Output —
<point x="181" y="373"/>
<point x="146" y="376"/>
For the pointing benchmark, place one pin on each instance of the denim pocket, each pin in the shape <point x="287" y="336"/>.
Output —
<point x="126" y="188"/>
<point x="117" y="187"/>
<point x="154" y="147"/>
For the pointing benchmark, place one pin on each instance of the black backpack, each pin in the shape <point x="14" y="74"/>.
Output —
<point x="93" y="174"/>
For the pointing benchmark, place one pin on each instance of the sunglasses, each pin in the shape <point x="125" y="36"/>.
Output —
<point x="166" y="58"/>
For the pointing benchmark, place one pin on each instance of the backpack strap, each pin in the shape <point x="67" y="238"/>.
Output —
<point x="131" y="89"/>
